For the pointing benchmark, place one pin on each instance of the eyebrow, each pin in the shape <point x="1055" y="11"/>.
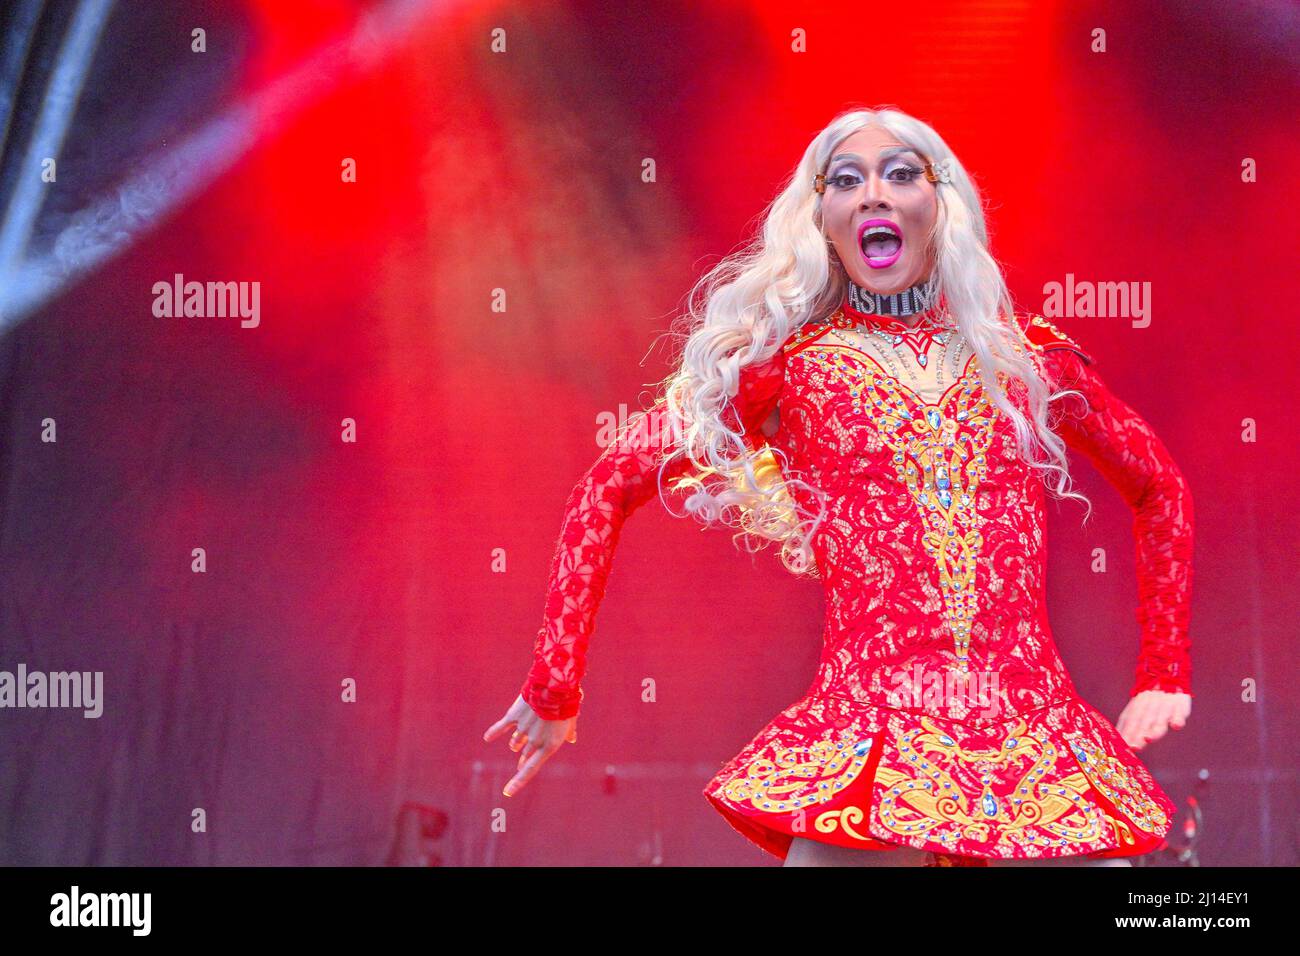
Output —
<point x="884" y="154"/>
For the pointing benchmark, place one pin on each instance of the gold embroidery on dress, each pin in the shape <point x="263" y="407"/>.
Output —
<point x="1045" y="323"/>
<point x="939" y="455"/>
<point x="1123" y="834"/>
<point x="800" y="776"/>
<point x="1023" y="342"/>
<point x="1111" y="778"/>
<point x="844" y="819"/>
<point x="929" y="798"/>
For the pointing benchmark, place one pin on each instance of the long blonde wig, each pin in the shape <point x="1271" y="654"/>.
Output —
<point x="744" y="309"/>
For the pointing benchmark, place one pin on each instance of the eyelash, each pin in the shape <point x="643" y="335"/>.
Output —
<point x="911" y="171"/>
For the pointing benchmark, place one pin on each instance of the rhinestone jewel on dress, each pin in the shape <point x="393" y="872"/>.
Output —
<point x="932" y="329"/>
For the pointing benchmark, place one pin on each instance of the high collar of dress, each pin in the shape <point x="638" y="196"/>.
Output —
<point x="911" y="310"/>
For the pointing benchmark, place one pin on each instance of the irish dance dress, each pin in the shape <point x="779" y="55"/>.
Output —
<point x="940" y="715"/>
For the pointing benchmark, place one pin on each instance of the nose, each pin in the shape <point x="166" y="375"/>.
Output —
<point x="874" y="194"/>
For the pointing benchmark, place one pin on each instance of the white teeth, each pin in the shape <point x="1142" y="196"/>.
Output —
<point x="878" y="231"/>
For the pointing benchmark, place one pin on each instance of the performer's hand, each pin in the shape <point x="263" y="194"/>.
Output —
<point x="1150" y="714"/>
<point x="534" y="738"/>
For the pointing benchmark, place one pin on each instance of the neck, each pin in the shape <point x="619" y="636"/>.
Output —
<point x="908" y="306"/>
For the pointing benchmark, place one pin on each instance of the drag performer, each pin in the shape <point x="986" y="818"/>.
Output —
<point x="857" y="387"/>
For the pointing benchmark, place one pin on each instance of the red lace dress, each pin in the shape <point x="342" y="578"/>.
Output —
<point x="940" y="715"/>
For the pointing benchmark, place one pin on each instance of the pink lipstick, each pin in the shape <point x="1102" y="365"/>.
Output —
<point x="881" y="243"/>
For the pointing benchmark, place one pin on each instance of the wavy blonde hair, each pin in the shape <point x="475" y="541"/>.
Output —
<point x="744" y="309"/>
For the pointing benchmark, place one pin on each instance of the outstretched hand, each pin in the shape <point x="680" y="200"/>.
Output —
<point x="1149" y="715"/>
<point x="535" y="738"/>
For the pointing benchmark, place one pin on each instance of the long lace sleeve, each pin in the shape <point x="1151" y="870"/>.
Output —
<point x="625" y="476"/>
<point x="1129" y="454"/>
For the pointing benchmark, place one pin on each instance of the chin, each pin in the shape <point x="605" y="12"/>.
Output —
<point x="885" y="281"/>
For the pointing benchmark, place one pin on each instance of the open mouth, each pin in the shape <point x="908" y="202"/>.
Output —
<point x="881" y="243"/>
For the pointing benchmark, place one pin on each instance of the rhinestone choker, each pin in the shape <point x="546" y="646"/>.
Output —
<point x="919" y="298"/>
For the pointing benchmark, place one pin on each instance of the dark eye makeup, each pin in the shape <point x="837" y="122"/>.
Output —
<point x="847" y="174"/>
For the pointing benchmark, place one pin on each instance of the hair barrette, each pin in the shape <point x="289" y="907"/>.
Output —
<point x="940" y="172"/>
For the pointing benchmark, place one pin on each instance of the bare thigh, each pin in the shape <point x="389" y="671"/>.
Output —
<point x="805" y="852"/>
<point x="1067" y="861"/>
